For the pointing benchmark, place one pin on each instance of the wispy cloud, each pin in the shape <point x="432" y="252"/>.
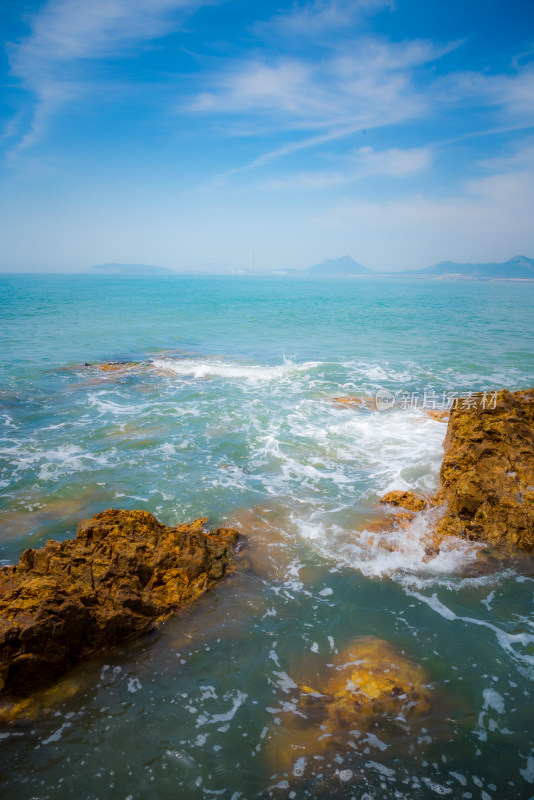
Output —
<point x="372" y="85"/>
<point x="319" y="101"/>
<point x="322" y="76"/>
<point x="362" y="163"/>
<point x="52" y="62"/>
<point x="511" y="93"/>
<point x="321" y="18"/>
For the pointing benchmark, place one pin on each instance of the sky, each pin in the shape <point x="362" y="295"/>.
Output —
<point x="220" y="135"/>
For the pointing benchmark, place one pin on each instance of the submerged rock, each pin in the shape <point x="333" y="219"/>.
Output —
<point x="373" y="690"/>
<point x="115" y="366"/>
<point x="363" y="402"/>
<point x="122" y="573"/>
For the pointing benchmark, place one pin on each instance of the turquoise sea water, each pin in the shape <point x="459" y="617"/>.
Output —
<point x="228" y="413"/>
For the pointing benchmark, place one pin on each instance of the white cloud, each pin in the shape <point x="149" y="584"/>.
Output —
<point x="321" y="18"/>
<point x="367" y="86"/>
<point x="283" y="86"/>
<point x="67" y="30"/>
<point x="52" y="61"/>
<point x="362" y="163"/>
<point x="357" y="82"/>
<point x="512" y="95"/>
<point x="521" y="158"/>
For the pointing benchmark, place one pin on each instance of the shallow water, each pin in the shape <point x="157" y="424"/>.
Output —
<point x="229" y="414"/>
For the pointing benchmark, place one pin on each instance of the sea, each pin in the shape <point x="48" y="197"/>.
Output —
<point x="222" y="405"/>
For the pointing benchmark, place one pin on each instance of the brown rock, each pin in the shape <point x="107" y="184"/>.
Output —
<point x="371" y="687"/>
<point x="357" y="402"/>
<point x="487" y="475"/>
<point x="116" y="366"/>
<point x="122" y="573"/>
<point x="407" y="500"/>
<point x="439" y="416"/>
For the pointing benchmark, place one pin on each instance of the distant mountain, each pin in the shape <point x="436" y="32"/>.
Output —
<point x="339" y="266"/>
<point x="516" y="267"/>
<point x="131" y="269"/>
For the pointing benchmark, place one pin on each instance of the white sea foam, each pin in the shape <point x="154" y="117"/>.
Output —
<point x="70" y="458"/>
<point x="53" y="462"/>
<point x="211" y="368"/>
<point x="363" y="370"/>
<point x="168" y="449"/>
<point x="399" y="554"/>
<point x="401" y="449"/>
<point x="56" y="736"/>
<point x="493" y="700"/>
<point x="362" y="455"/>
<point x="285" y="682"/>
<point x="105" y="405"/>
<point x="507" y="641"/>
<point x="236" y="697"/>
<point x="528" y="772"/>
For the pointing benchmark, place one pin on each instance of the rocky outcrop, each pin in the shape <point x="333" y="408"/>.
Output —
<point x="123" y="573"/>
<point x="487" y="474"/>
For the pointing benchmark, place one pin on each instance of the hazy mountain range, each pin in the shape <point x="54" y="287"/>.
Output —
<point x="339" y="266"/>
<point x="516" y="268"/>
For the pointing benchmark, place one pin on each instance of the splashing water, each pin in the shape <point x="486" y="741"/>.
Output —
<point x="214" y="421"/>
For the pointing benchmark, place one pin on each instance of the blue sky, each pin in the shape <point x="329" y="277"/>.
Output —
<point x="191" y="133"/>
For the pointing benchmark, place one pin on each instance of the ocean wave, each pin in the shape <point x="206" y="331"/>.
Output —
<point x="399" y="555"/>
<point x="102" y="402"/>
<point x="50" y="463"/>
<point x="352" y="452"/>
<point x="207" y="368"/>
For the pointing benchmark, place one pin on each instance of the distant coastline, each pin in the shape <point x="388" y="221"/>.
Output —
<point x="519" y="269"/>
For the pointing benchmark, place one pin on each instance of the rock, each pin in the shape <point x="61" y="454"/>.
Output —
<point x="487" y="474"/>
<point x="123" y="573"/>
<point x="407" y="500"/>
<point x="361" y="402"/>
<point x="439" y="416"/>
<point x="116" y="366"/>
<point x="371" y="688"/>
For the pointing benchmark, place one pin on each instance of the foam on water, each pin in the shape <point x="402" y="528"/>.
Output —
<point x="507" y="640"/>
<point x="211" y="368"/>
<point x="398" y="554"/>
<point x="103" y="403"/>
